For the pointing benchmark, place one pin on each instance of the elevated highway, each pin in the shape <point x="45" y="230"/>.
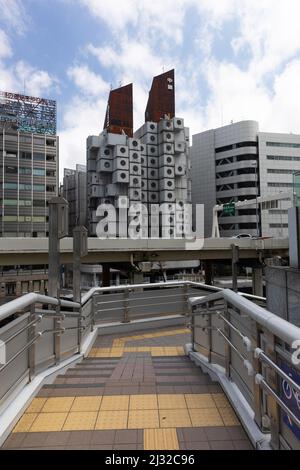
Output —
<point x="33" y="251"/>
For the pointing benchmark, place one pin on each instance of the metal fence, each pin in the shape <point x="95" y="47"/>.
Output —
<point x="257" y="351"/>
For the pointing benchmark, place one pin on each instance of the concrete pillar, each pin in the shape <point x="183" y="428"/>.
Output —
<point x="234" y="265"/>
<point x="30" y="286"/>
<point x="95" y="280"/>
<point x="105" y="275"/>
<point x="257" y="281"/>
<point x="18" y="288"/>
<point x="208" y="273"/>
<point x="138" y="277"/>
<point x="117" y="278"/>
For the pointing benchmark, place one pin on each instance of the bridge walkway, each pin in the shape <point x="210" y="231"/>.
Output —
<point x="133" y="392"/>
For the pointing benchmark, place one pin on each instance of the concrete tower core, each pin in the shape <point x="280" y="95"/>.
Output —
<point x="161" y="101"/>
<point x="119" y="112"/>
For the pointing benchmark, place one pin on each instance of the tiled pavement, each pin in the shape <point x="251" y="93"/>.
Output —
<point x="135" y="392"/>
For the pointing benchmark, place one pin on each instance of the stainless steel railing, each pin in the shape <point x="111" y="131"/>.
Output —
<point x="255" y="349"/>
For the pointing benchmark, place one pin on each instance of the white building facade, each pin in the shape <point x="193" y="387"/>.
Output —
<point x="237" y="162"/>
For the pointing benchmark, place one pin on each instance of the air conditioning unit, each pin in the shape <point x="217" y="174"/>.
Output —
<point x="179" y="147"/>
<point x="135" y="194"/>
<point x="166" y="172"/>
<point x="121" y="151"/>
<point x="153" y="197"/>
<point x="178" y="124"/>
<point x="166" y="184"/>
<point x="152" y="162"/>
<point x="166" y="148"/>
<point x="167" y="196"/>
<point x="135" y="156"/>
<point x="180" y="170"/>
<point x="135" y="182"/>
<point x="152" y="185"/>
<point x="121" y="163"/>
<point x="105" y="165"/>
<point x="152" y="150"/>
<point x="135" y="169"/>
<point x="121" y="176"/>
<point x="166" y="160"/>
<point x="152" y="173"/>
<point x="133" y="144"/>
<point x="165" y="125"/>
<point x="166" y="136"/>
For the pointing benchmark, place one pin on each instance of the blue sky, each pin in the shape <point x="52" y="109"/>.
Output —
<point x="234" y="59"/>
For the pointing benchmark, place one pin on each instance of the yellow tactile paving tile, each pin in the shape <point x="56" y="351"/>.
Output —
<point x="25" y="423"/>
<point x="229" y="417"/>
<point x="47" y="422"/>
<point x="174" y="418"/>
<point x="199" y="400"/>
<point x="157" y="351"/>
<point x="36" y="405"/>
<point x="115" y="403"/>
<point x="205" y="417"/>
<point x="57" y="404"/>
<point x="112" y="420"/>
<point x="221" y="400"/>
<point x="143" y="402"/>
<point x="87" y="403"/>
<point x="141" y="419"/>
<point x="160" y="439"/>
<point x="80" y="421"/>
<point x="171" y="402"/>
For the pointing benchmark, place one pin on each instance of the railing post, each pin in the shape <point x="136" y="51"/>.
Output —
<point x="126" y="306"/>
<point x="273" y="409"/>
<point x="209" y="332"/>
<point x="257" y="391"/>
<point x="186" y="300"/>
<point x="93" y="314"/>
<point x="227" y="345"/>
<point x="31" y="350"/>
<point x="193" y="329"/>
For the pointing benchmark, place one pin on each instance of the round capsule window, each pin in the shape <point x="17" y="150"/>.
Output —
<point x="170" y="195"/>
<point x="134" y="143"/>
<point x="152" y="161"/>
<point x="178" y="122"/>
<point x="122" y="150"/>
<point x="152" y="173"/>
<point x="153" y="197"/>
<point x="107" y="164"/>
<point x="169" y="147"/>
<point x="168" y="124"/>
<point x="169" y="171"/>
<point x="168" y="135"/>
<point x="180" y="168"/>
<point x="169" y="160"/>
<point x="153" y="185"/>
<point x="135" y="156"/>
<point x="136" y="193"/>
<point x="152" y="138"/>
<point x="123" y="162"/>
<point x="106" y="152"/>
<point x="135" y="180"/>
<point x="180" y="203"/>
<point x="169" y="183"/>
<point x="171" y="231"/>
<point x="171" y="220"/>
<point x="152" y="127"/>
<point x="135" y="168"/>
<point x="123" y="176"/>
<point x="152" y="150"/>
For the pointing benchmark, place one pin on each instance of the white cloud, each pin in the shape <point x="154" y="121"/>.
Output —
<point x="5" y="48"/>
<point x="88" y="82"/>
<point x="13" y="15"/>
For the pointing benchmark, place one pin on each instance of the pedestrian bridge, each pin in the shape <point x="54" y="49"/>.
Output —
<point x="177" y="365"/>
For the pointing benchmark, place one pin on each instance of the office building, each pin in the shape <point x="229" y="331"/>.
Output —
<point x="74" y="191"/>
<point x="238" y="162"/>
<point x="29" y="164"/>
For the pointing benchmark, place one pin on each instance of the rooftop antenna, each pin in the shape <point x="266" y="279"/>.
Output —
<point x="120" y="84"/>
<point x="163" y="69"/>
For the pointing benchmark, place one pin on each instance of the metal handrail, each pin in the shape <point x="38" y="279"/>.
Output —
<point x="276" y="325"/>
<point x="27" y="300"/>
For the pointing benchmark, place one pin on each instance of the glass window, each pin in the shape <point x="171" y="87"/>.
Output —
<point x="25" y="171"/>
<point x="10" y="202"/>
<point x="283" y="144"/>
<point x="38" y="219"/>
<point x="38" y="203"/>
<point x="39" y="157"/>
<point x="25" y="155"/>
<point x="25" y="138"/>
<point x="25" y="187"/>
<point x="25" y="202"/>
<point x="39" y="172"/>
<point x="39" y="187"/>
<point x="10" y="218"/>
<point x="10" y="186"/>
<point x="50" y="158"/>
<point x="11" y="170"/>
<point x="38" y="141"/>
